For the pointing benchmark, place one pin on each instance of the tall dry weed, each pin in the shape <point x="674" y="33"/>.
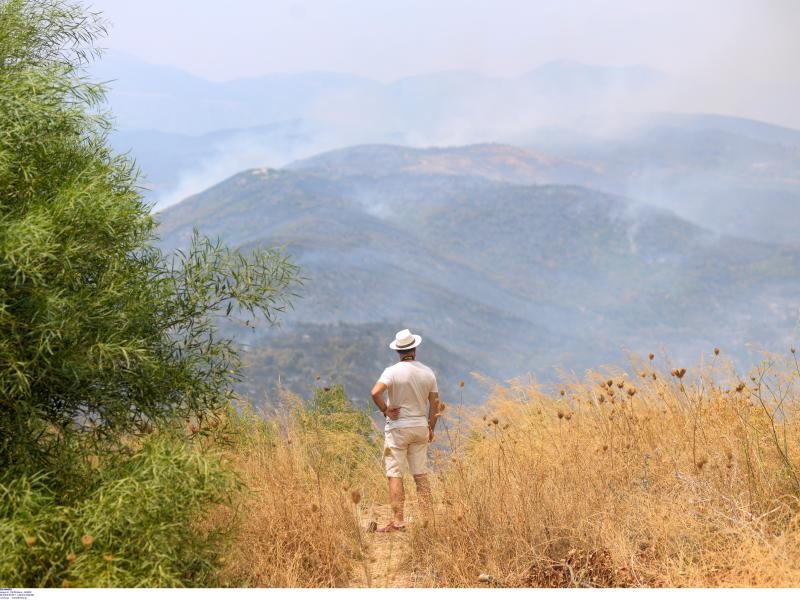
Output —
<point x="624" y="479"/>
<point x="305" y="471"/>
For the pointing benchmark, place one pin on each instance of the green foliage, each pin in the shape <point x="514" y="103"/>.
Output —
<point x="103" y="339"/>
<point x="140" y="517"/>
<point x="100" y="334"/>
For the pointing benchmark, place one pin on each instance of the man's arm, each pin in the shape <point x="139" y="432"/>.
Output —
<point x="377" y="397"/>
<point x="433" y="413"/>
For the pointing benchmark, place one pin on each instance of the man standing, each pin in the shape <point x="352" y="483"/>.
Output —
<point x="411" y="387"/>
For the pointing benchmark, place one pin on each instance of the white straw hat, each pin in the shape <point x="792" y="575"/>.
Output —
<point x="405" y="340"/>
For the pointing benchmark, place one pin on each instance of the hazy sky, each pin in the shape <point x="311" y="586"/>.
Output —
<point x="739" y="56"/>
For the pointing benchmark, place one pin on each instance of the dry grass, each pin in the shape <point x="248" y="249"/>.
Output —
<point x="682" y="479"/>
<point x="298" y="521"/>
<point x="666" y="481"/>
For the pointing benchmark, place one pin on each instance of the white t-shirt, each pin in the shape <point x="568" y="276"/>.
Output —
<point x="409" y="382"/>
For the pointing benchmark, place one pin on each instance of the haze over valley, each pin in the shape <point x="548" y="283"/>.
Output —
<point x="527" y="224"/>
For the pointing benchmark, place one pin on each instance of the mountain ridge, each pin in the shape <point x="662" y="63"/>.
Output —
<point x="516" y="278"/>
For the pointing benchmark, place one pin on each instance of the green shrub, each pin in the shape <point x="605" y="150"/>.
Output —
<point x="101" y="335"/>
<point x="136" y="528"/>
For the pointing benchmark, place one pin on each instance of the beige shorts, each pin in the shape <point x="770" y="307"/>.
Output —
<point x="406" y="449"/>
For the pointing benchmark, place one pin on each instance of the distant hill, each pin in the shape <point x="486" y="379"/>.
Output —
<point x="497" y="162"/>
<point x="731" y="175"/>
<point x="503" y="278"/>
<point x="153" y="97"/>
<point x="305" y="356"/>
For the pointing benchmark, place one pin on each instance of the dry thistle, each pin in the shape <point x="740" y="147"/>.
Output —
<point x="314" y="508"/>
<point x="562" y="392"/>
<point x="355" y="496"/>
<point x="561" y="414"/>
<point x="461" y="383"/>
<point x="568" y="416"/>
<point x="87" y="540"/>
<point x="621" y="383"/>
<point x="792" y="350"/>
<point x="610" y="382"/>
<point x="701" y="463"/>
<point x="601" y="399"/>
<point x="740" y="387"/>
<point x="495" y="420"/>
<point x="631" y="391"/>
<point x="716" y="351"/>
<point x="651" y="356"/>
<point x="643" y="374"/>
<point x="654" y="376"/>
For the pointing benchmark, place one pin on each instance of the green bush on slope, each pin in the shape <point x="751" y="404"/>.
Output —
<point x="103" y="339"/>
<point x="135" y="528"/>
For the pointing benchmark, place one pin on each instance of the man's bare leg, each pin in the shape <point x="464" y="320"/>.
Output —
<point x="397" y="497"/>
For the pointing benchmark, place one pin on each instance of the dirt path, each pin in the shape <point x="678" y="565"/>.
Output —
<point x="387" y="554"/>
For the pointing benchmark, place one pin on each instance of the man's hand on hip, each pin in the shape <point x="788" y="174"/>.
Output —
<point x="393" y="413"/>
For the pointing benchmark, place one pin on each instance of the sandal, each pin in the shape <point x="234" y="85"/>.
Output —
<point x="391" y="528"/>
